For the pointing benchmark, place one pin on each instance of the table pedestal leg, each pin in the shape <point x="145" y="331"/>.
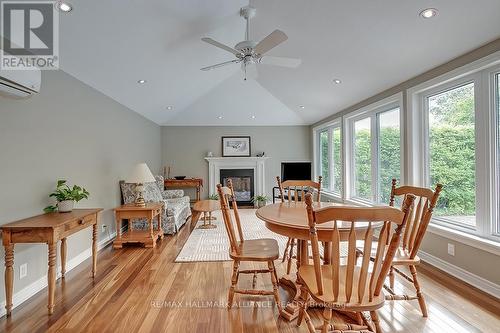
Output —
<point x="207" y="216"/>
<point x="292" y="283"/>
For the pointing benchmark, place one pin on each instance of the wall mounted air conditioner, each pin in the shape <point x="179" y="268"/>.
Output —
<point x="20" y="83"/>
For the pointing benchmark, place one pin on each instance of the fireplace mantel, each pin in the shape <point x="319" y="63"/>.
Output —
<point x="215" y="164"/>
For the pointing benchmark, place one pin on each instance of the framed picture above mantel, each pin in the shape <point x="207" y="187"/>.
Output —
<point x="236" y="146"/>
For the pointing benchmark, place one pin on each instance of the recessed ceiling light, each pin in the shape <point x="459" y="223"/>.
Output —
<point x="220" y="117"/>
<point x="170" y="107"/>
<point x="337" y="81"/>
<point x="429" y="13"/>
<point x="64" y="6"/>
<point x="253" y="117"/>
<point x="302" y="106"/>
<point x="141" y="81"/>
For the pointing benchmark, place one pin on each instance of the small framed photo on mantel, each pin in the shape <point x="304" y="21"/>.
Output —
<point x="236" y="146"/>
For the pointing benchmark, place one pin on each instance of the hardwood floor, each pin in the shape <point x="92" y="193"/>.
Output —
<point x="143" y="290"/>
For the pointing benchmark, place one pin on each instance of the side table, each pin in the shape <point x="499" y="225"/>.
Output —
<point x="149" y="237"/>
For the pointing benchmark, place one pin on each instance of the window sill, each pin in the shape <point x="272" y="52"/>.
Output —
<point x="331" y="195"/>
<point x="477" y="242"/>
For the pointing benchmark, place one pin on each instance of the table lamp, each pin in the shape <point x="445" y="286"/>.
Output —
<point x="140" y="175"/>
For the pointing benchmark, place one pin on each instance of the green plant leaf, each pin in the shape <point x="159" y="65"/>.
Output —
<point x="50" y="209"/>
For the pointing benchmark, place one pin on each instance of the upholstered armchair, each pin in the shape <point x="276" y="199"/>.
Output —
<point x="177" y="208"/>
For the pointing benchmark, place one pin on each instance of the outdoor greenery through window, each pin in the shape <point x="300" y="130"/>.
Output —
<point x="386" y="160"/>
<point x="330" y="142"/>
<point x="325" y="164"/>
<point x="337" y="159"/>
<point x="451" y="153"/>
<point x="362" y="159"/>
<point x="389" y="153"/>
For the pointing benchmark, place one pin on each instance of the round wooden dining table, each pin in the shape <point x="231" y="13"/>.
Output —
<point x="290" y="219"/>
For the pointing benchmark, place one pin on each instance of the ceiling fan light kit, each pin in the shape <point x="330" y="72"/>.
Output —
<point x="249" y="52"/>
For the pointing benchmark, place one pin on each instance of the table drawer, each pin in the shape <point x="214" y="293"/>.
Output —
<point x="81" y="223"/>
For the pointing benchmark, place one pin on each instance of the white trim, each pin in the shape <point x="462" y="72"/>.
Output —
<point x="27" y="292"/>
<point x="215" y="164"/>
<point x="461" y="274"/>
<point x="475" y="241"/>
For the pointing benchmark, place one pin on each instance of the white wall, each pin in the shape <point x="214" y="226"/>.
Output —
<point x="184" y="148"/>
<point x="68" y="131"/>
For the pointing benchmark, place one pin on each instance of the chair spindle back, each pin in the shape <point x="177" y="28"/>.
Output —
<point x="226" y="195"/>
<point x="299" y="188"/>
<point x="421" y="213"/>
<point x="344" y="284"/>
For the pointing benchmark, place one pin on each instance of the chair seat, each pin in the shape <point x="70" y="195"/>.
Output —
<point x="264" y="249"/>
<point x="308" y="276"/>
<point x="402" y="256"/>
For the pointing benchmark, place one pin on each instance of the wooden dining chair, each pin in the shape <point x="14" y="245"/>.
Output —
<point x="252" y="250"/>
<point x="294" y="191"/>
<point x="414" y="232"/>
<point x="345" y="285"/>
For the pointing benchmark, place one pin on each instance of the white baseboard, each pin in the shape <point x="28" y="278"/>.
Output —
<point x="460" y="273"/>
<point x="27" y="292"/>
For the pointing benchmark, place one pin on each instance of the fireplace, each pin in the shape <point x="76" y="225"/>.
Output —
<point x="243" y="184"/>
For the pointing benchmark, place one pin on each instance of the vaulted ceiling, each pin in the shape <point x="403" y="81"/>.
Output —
<point x="369" y="45"/>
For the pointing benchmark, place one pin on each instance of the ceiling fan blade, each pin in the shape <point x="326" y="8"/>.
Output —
<point x="221" y="46"/>
<point x="235" y="61"/>
<point x="270" y="41"/>
<point x="281" y="61"/>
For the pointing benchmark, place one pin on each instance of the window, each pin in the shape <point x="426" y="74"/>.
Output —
<point x="329" y="157"/>
<point x="375" y="151"/>
<point x="451" y="153"/>
<point x="389" y="152"/>
<point x="362" y="159"/>
<point x="454" y="135"/>
<point x="337" y="159"/>
<point x="325" y="163"/>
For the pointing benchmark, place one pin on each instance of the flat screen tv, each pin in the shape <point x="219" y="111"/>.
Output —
<point x="295" y="171"/>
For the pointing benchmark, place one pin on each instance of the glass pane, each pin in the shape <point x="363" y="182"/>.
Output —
<point x="362" y="159"/>
<point x="337" y="160"/>
<point x="452" y="153"/>
<point x="325" y="166"/>
<point x="389" y="148"/>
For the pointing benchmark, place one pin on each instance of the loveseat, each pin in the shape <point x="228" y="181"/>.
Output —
<point x="177" y="207"/>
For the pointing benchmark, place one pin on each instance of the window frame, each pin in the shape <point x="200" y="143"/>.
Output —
<point x="482" y="72"/>
<point x="425" y="95"/>
<point x="494" y="98"/>
<point x="371" y="111"/>
<point x="328" y="127"/>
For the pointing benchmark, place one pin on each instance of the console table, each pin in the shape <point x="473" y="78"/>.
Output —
<point x="47" y="228"/>
<point x="196" y="183"/>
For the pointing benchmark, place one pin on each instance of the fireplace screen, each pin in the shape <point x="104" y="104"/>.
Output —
<point x="243" y="183"/>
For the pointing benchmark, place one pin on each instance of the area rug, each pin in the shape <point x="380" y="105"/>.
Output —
<point x="213" y="244"/>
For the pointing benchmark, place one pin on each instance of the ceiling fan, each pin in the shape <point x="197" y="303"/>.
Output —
<point x="249" y="52"/>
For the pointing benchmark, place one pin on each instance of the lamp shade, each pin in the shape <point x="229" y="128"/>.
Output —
<point x="141" y="174"/>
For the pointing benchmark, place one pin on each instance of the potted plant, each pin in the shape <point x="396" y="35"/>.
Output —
<point x="66" y="197"/>
<point x="260" y="200"/>
<point x="214" y="196"/>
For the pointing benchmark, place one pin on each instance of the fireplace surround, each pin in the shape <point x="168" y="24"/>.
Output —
<point x="256" y="164"/>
